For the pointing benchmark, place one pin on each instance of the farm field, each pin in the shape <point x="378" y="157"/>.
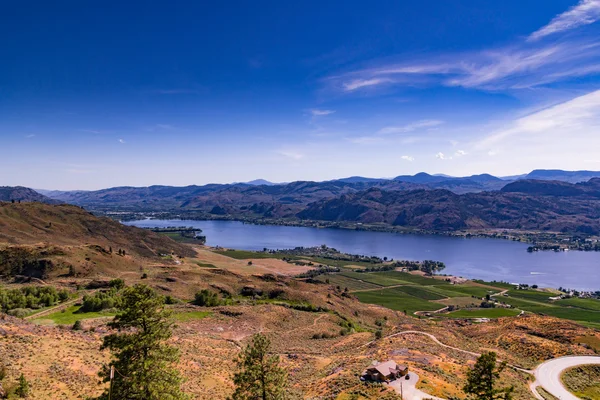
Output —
<point x="398" y="300"/>
<point x="346" y="282"/>
<point x="403" y="291"/>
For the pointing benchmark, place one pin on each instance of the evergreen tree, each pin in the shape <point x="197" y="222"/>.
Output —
<point x="481" y="380"/>
<point x="259" y="375"/>
<point x="144" y="363"/>
<point x="22" y="389"/>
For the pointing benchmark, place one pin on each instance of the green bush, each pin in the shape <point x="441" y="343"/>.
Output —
<point x="33" y="297"/>
<point x="206" y="298"/>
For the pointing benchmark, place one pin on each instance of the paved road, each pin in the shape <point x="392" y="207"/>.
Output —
<point x="548" y="374"/>
<point x="407" y="387"/>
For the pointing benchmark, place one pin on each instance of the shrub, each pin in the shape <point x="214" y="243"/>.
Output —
<point x="206" y="298"/>
<point x="77" y="326"/>
<point x="117" y="283"/>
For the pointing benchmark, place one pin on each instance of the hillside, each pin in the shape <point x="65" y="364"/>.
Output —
<point x="20" y="193"/>
<point x="444" y="210"/>
<point x="41" y="240"/>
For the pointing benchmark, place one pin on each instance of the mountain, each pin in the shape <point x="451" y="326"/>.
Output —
<point x="560" y="175"/>
<point x="258" y="182"/>
<point x="590" y="188"/>
<point x="474" y="183"/>
<point x="19" y="193"/>
<point x="359" y="179"/>
<point x="443" y="210"/>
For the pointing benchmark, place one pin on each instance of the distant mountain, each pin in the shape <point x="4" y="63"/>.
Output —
<point x="474" y="183"/>
<point x="560" y="175"/>
<point x="590" y="188"/>
<point x="20" y="193"/>
<point x="258" y="182"/>
<point x="359" y="179"/>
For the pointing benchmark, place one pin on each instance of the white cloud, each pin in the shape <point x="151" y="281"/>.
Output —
<point x="408" y="158"/>
<point x="317" y="113"/>
<point x="429" y="123"/>
<point x="30" y="136"/>
<point x="524" y="64"/>
<point x="291" y="154"/>
<point x="581" y="114"/>
<point x="585" y="13"/>
<point x="442" y="156"/>
<point x="122" y="141"/>
<point x="460" y="153"/>
<point x="361" y="83"/>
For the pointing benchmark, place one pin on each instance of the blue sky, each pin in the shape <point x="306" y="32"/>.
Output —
<point x="96" y="95"/>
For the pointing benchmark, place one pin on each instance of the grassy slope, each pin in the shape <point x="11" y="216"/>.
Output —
<point x="583" y="381"/>
<point x="66" y="225"/>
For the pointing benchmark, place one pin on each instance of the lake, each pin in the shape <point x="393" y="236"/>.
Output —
<point x="477" y="258"/>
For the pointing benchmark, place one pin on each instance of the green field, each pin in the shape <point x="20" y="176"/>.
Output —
<point x="396" y="299"/>
<point x="346" y="282"/>
<point x="70" y="315"/>
<point x="376" y="278"/>
<point x="533" y="295"/>
<point x="588" y="304"/>
<point x="485" y="313"/>
<point x="190" y="315"/>
<point x="420" y="292"/>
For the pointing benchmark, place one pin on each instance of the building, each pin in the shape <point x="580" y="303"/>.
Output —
<point x="386" y="371"/>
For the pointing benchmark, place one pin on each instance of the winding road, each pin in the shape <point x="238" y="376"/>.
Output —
<point x="547" y="374"/>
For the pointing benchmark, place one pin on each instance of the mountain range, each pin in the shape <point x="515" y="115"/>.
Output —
<point x="421" y="201"/>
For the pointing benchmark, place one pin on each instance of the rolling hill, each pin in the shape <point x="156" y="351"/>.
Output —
<point x="39" y="240"/>
<point x="20" y="193"/>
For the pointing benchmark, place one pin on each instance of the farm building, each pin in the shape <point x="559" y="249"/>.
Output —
<point x="386" y="371"/>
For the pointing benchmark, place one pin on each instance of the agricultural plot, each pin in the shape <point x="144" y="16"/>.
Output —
<point x="376" y="278"/>
<point x="587" y="304"/>
<point x="396" y="299"/>
<point x="533" y="295"/>
<point x="420" y="292"/>
<point x="347" y="282"/>
<point x="411" y="278"/>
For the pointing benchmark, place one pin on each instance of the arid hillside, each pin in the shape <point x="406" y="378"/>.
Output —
<point x="41" y="240"/>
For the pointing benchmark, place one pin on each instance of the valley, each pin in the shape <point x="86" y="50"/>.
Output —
<point x="316" y="324"/>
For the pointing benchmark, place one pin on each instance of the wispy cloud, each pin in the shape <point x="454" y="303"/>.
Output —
<point x="408" y="158"/>
<point x="291" y="154"/>
<point x="442" y="156"/>
<point x="362" y="83"/>
<point x="585" y="13"/>
<point x="32" y="135"/>
<point x="318" y="113"/>
<point x="427" y="123"/>
<point x="460" y="153"/>
<point x="581" y="114"/>
<point x="122" y="141"/>
<point x="526" y="63"/>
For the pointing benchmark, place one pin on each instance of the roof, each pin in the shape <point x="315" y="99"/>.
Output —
<point x="386" y="368"/>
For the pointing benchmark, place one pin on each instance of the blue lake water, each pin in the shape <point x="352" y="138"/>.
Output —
<point x="478" y="258"/>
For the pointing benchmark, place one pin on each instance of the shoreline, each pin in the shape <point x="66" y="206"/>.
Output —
<point x="540" y="241"/>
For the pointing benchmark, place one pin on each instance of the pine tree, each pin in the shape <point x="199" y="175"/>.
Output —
<point x="259" y="375"/>
<point x="481" y="380"/>
<point x="22" y="389"/>
<point x="144" y="363"/>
